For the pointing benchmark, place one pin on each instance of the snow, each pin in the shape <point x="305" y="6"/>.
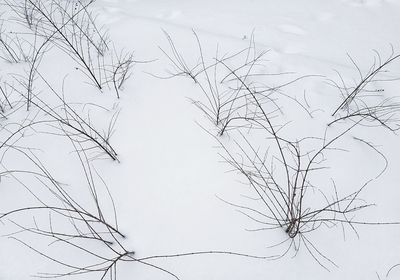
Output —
<point x="170" y="184"/>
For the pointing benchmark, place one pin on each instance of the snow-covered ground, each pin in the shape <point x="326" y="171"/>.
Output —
<point x="170" y="185"/>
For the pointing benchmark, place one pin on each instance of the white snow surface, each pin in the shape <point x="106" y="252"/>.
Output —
<point x="170" y="182"/>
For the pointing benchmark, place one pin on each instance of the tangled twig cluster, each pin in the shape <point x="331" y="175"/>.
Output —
<point x="280" y="170"/>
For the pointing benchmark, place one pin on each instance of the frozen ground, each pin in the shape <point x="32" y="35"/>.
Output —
<point x="170" y="177"/>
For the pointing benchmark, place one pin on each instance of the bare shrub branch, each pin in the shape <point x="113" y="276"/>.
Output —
<point x="366" y="102"/>
<point x="228" y="83"/>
